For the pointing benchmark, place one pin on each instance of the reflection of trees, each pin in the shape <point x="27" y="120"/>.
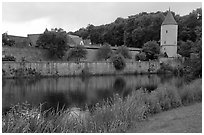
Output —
<point x="165" y="78"/>
<point x="78" y="98"/>
<point x="55" y="101"/>
<point x="26" y="81"/>
<point x="104" y="94"/>
<point x="3" y="83"/>
<point x="119" y="85"/>
<point x="85" y="79"/>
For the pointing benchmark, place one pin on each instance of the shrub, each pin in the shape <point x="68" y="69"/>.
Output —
<point x="191" y="92"/>
<point x="104" y="52"/>
<point x="6" y="41"/>
<point x="77" y="53"/>
<point x="118" y="62"/>
<point x="9" y="58"/>
<point x="124" y="51"/>
<point x="26" y="72"/>
<point x="151" y="49"/>
<point x="168" y="97"/>
<point x="140" y="56"/>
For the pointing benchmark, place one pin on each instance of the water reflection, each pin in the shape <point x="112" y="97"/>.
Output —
<point x="76" y="91"/>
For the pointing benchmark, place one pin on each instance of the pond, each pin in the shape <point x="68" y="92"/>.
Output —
<point x="78" y="91"/>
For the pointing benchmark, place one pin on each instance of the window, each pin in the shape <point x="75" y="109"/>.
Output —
<point x="166" y="31"/>
<point x="164" y="42"/>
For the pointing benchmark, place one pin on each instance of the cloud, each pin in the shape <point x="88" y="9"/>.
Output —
<point x="29" y="27"/>
<point x="71" y="16"/>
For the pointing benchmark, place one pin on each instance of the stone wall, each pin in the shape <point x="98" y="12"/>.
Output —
<point x="46" y="68"/>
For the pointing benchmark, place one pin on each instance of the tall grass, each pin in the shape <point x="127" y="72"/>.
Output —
<point x="117" y="115"/>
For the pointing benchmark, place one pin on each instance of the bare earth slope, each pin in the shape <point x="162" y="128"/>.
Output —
<point x="187" y="119"/>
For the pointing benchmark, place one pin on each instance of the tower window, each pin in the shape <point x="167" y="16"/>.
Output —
<point x="166" y="31"/>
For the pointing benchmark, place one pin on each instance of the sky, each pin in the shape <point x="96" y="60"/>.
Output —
<point x="22" y="18"/>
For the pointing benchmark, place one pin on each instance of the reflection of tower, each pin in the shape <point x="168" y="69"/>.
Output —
<point x="169" y="30"/>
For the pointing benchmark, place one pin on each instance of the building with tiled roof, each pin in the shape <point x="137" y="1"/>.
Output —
<point x="75" y="40"/>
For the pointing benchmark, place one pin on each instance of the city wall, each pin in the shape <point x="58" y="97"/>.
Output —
<point x="46" y="68"/>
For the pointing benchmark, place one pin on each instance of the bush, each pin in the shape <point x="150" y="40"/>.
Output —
<point x="124" y="51"/>
<point x="140" y="56"/>
<point x="104" y="52"/>
<point x="26" y="72"/>
<point x="77" y="53"/>
<point x="151" y="49"/>
<point x="118" y="62"/>
<point x="191" y="93"/>
<point x="6" y="41"/>
<point x="9" y="58"/>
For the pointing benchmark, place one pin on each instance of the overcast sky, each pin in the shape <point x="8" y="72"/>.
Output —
<point x="30" y="18"/>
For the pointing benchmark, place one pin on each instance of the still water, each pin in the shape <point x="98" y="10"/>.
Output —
<point x="77" y="91"/>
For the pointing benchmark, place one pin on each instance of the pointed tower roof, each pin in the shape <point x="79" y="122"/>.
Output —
<point x="169" y="19"/>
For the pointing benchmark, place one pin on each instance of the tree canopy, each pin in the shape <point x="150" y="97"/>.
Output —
<point x="77" y="53"/>
<point x="138" y="29"/>
<point x="104" y="52"/>
<point x="55" y="41"/>
<point x="6" y="41"/>
<point x="151" y="49"/>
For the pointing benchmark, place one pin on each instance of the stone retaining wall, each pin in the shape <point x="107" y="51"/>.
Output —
<point x="47" y="68"/>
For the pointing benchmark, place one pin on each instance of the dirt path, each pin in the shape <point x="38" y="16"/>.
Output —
<point x="186" y="119"/>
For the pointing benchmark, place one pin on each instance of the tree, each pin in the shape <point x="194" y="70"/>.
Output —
<point x="124" y="51"/>
<point x="184" y="48"/>
<point x="140" y="56"/>
<point x="55" y="41"/>
<point x="6" y="41"/>
<point x="151" y="49"/>
<point x="118" y="61"/>
<point x="104" y="52"/>
<point x="77" y="53"/>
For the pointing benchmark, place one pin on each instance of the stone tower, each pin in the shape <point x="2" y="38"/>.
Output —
<point x="169" y="32"/>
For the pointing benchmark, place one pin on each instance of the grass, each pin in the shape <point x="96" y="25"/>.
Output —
<point x="117" y="115"/>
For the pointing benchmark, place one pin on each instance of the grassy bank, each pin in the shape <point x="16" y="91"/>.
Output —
<point x="117" y="115"/>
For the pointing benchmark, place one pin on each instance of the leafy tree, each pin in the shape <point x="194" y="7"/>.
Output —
<point x="77" y="53"/>
<point x="82" y="32"/>
<point x="184" y="48"/>
<point x="140" y="56"/>
<point x="151" y="49"/>
<point x="6" y="41"/>
<point x="118" y="61"/>
<point x="104" y="52"/>
<point x="138" y="29"/>
<point x="124" y="51"/>
<point x="55" y="41"/>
